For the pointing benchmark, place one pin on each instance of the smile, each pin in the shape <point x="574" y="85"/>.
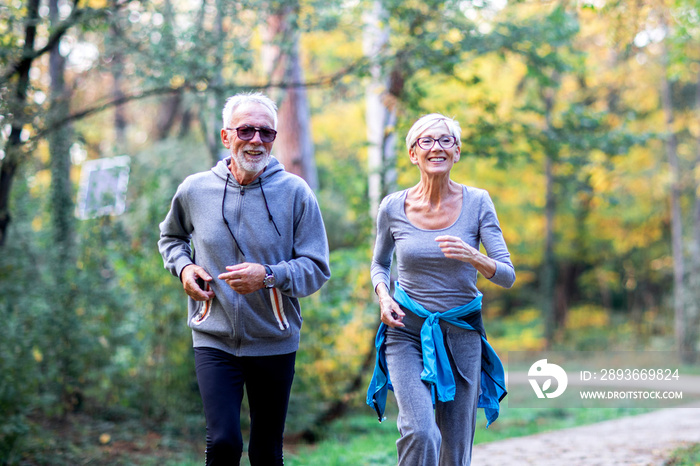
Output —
<point x="437" y="159"/>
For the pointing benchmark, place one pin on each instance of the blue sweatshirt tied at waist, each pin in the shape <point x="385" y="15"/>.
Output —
<point x="436" y="365"/>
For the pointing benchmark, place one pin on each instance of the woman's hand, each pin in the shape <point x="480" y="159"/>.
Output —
<point x="454" y="248"/>
<point x="390" y="312"/>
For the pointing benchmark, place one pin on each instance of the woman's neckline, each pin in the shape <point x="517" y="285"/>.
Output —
<point x="405" y="215"/>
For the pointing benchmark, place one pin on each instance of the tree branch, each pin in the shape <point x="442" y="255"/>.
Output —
<point x="192" y="87"/>
<point x="57" y="34"/>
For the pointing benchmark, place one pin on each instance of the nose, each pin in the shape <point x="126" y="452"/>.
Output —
<point x="256" y="138"/>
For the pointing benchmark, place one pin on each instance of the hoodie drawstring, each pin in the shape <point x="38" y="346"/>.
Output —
<point x="268" y="208"/>
<point x="223" y="203"/>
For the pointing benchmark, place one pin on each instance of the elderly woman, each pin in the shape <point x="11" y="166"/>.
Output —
<point x="431" y="340"/>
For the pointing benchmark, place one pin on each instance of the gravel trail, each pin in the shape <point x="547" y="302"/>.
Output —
<point x="645" y="439"/>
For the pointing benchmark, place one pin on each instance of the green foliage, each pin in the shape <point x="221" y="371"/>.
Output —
<point x="338" y="333"/>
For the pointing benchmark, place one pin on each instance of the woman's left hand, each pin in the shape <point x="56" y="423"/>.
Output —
<point x="454" y="248"/>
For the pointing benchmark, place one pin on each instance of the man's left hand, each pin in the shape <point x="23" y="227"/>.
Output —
<point x="244" y="278"/>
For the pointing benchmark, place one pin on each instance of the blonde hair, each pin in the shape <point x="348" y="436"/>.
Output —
<point x="233" y="102"/>
<point x="428" y="121"/>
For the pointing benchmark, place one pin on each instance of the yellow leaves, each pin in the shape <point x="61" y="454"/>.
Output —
<point x="177" y="81"/>
<point x="454" y="35"/>
<point x="354" y="337"/>
<point x="40" y="182"/>
<point x="600" y="179"/>
<point x="37" y="354"/>
<point x="587" y="316"/>
<point x="527" y="316"/>
<point x="96" y="4"/>
<point x="524" y="332"/>
<point x="37" y="223"/>
<point x="693" y="125"/>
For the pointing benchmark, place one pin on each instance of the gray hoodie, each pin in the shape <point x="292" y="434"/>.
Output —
<point x="276" y="221"/>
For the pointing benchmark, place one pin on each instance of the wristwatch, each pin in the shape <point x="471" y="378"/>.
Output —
<point x="269" y="280"/>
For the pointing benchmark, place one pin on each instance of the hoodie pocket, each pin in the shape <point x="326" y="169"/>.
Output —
<point x="278" y="311"/>
<point x="268" y="315"/>
<point x="202" y="310"/>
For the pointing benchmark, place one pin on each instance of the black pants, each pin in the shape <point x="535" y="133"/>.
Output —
<point x="267" y="381"/>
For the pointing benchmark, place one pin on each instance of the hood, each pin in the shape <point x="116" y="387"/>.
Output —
<point x="221" y="170"/>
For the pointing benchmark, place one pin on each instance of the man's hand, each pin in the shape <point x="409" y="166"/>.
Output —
<point x="189" y="276"/>
<point x="244" y="278"/>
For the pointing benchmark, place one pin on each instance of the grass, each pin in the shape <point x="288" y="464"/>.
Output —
<point x="688" y="456"/>
<point x="360" y="440"/>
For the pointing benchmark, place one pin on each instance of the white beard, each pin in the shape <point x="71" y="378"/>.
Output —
<point x="248" y="165"/>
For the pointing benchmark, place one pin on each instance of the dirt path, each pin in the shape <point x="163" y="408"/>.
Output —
<point x="646" y="439"/>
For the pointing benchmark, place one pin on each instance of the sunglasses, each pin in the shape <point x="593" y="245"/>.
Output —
<point x="246" y="133"/>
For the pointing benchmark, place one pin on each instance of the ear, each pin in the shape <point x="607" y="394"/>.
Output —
<point x="225" y="139"/>
<point x="412" y="155"/>
<point x="457" y="154"/>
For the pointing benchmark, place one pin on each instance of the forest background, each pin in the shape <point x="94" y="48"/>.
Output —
<point x="581" y="119"/>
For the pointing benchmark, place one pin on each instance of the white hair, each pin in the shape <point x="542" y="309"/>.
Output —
<point x="233" y="102"/>
<point x="428" y="121"/>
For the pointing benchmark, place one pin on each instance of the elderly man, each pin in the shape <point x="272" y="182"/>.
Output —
<point x="247" y="240"/>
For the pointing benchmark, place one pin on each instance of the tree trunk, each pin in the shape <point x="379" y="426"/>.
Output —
<point x="294" y="145"/>
<point x="117" y="65"/>
<point x="380" y="110"/>
<point x="210" y="115"/>
<point x="171" y="108"/>
<point x="693" y="329"/>
<point x="548" y="283"/>
<point x="13" y="148"/>
<point x="65" y="329"/>
<point x="675" y="207"/>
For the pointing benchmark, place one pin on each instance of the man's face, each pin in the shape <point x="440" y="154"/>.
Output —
<point x="249" y="157"/>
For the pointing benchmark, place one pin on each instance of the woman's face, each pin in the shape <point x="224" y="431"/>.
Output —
<point x="436" y="160"/>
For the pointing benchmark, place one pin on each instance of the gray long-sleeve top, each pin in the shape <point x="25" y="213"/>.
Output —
<point x="431" y="279"/>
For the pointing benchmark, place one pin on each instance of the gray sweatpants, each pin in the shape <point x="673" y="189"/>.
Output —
<point x="442" y="436"/>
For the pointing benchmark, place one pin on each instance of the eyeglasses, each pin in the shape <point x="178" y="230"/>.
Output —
<point x="427" y="143"/>
<point x="246" y="133"/>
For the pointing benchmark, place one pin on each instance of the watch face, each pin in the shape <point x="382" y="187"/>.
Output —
<point x="269" y="280"/>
